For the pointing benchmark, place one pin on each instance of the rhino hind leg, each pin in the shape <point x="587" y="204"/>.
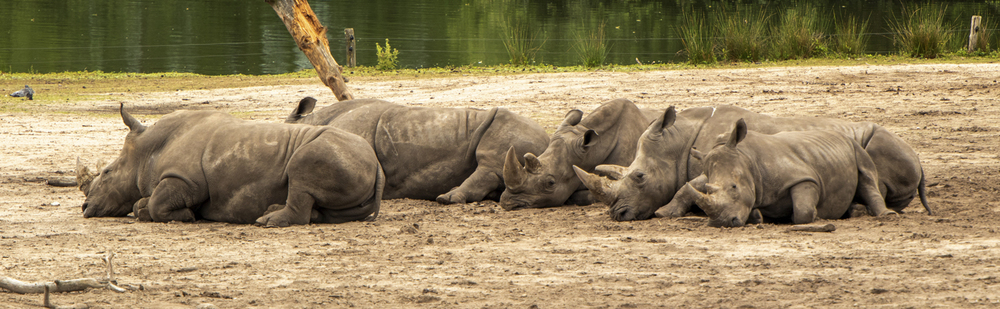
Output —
<point x="298" y="210"/>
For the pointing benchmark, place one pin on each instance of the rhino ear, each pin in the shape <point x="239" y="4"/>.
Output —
<point x="739" y="133"/>
<point x="306" y="106"/>
<point x="531" y="163"/>
<point x="513" y="172"/>
<point x="669" y="117"/>
<point x="697" y="154"/>
<point x="573" y="118"/>
<point x="133" y="124"/>
<point x="589" y="139"/>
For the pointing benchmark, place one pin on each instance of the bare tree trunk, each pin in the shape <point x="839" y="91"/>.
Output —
<point x="310" y="35"/>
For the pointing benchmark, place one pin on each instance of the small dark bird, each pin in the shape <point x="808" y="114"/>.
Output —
<point x="26" y="92"/>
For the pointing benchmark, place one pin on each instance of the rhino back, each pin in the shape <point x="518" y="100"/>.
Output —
<point x="619" y="124"/>
<point x="424" y="150"/>
<point x="789" y="158"/>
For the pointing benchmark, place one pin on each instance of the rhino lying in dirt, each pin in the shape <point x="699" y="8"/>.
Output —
<point x="663" y="163"/>
<point x="607" y="136"/>
<point x="209" y="165"/>
<point x="453" y="155"/>
<point x="800" y="176"/>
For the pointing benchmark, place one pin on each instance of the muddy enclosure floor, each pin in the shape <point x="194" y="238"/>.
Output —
<point x="422" y="254"/>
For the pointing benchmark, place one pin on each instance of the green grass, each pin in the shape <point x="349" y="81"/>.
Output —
<point x="388" y="57"/>
<point x="922" y="32"/>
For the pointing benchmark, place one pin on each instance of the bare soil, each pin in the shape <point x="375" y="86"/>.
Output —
<point x="421" y="254"/>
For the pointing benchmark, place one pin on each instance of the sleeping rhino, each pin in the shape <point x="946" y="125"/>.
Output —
<point x="209" y="165"/>
<point x="607" y="136"/>
<point x="801" y="176"/>
<point x="663" y="161"/>
<point x="452" y="155"/>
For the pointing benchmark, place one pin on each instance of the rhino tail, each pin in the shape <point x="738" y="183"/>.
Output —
<point x="478" y="134"/>
<point x="375" y="202"/>
<point x="922" y="192"/>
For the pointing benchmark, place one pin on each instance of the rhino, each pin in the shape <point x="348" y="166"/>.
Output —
<point x="800" y="175"/>
<point x="193" y="165"/>
<point x="607" y="136"/>
<point x="663" y="161"/>
<point x="451" y="155"/>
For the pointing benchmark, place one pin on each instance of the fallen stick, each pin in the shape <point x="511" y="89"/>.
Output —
<point x="21" y="287"/>
<point x="813" y="228"/>
<point x="48" y="304"/>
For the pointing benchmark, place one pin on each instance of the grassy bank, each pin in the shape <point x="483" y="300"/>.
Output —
<point x="81" y="86"/>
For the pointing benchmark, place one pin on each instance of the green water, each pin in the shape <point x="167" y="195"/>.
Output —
<point x="244" y="36"/>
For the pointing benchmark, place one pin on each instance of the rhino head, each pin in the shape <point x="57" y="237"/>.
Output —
<point x="547" y="180"/>
<point x="730" y="193"/>
<point x="660" y="167"/>
<point x="114" y="189"/>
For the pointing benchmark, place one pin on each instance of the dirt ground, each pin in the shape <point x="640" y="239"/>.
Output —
<point x="421" y="254"/>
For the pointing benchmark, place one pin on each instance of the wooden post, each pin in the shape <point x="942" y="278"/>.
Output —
<point x="310" y="35"/>
<point x="974" y="32"/>
<point x="349" y="37"/>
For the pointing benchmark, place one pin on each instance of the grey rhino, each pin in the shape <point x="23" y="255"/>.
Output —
<point x="607" y="135"/>
<point x="663" y="163"/>
<point x="210" y="165"/>
<point x="801" y="176"/>
<point x="452" y="155"/>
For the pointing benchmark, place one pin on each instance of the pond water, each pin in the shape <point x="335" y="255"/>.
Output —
<point x="247" y="37"/>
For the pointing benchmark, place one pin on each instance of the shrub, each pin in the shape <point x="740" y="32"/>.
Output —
<point x="387" y="57"/>
<point x="697" y="38"/>
<point x="849" y="38"/>
<point x="521" y="43"/>
<point x="797" y="35"/>
<point x="593" y="48"/>
<point x="921" y="32"/>
<point x="743" y="33"/>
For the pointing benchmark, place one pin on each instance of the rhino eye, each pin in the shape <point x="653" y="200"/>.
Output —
<point x="639" y="176"/>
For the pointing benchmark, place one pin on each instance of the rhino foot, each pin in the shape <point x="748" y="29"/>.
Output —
<point x="452" y="197"/>
<point x="271" y="221"/>
<point x="141" y="211"/>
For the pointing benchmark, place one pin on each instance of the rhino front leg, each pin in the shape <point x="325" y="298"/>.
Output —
<point x="473" y="189"/>
<point x="805" y="197"/>
<point x="581" y="198"/>
<point x="171" y="200"/>
<point x="297" y="210"/>
<point x="683" y="199"/>
<point x="141" y="210"/>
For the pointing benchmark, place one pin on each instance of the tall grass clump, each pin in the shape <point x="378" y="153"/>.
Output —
<point x="697" y="39"/>
<point x="743" y="33"/>
<point x="520" y="41"/>
<point x="921" y="32"/>
<point x="387" y="57"/>
<point x="593" y="47"/>
<point x="849" y="36"/>
<point x="797" y="34"/>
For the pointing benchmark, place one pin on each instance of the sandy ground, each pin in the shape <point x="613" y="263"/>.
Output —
<point x="421" y="254"/>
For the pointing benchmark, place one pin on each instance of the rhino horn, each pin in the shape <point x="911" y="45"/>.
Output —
<point x="531" y="163"/>
<point x="697" y="154"/>
<point x="513" y="172"/>
<point x="702" y="199"/>
<point x="573" y="118"/>
<point x="599" y="186"/>
<point x="739" y="133"/>
<point x="133" y="124"/>
<point x="83" y="176"/>
<point x="615" y="172"/>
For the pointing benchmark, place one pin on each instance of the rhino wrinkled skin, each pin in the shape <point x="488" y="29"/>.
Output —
<point x="607" y="135"/>
<point x="663" y="163"/>
<point x="452" y="155"/>
<point x="193" y="165"/>
<point x="801" y="176"/>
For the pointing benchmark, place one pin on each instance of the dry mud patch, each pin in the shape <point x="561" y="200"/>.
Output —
<point x="421" y="254"/>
